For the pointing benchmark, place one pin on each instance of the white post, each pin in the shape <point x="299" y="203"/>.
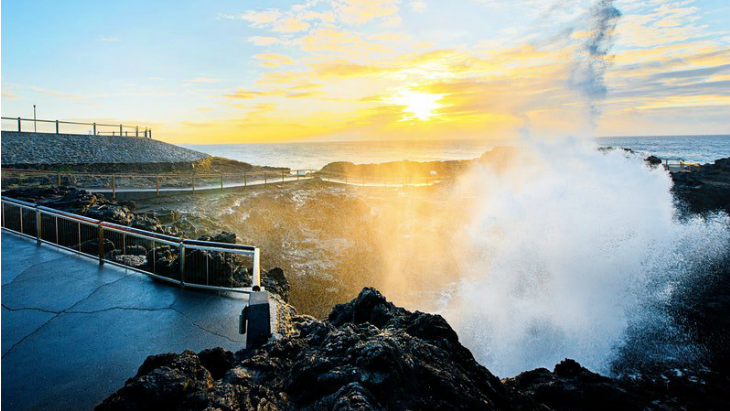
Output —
<point x="256" y="279"/>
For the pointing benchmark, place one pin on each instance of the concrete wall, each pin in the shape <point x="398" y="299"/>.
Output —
<point x="24" y="149"/>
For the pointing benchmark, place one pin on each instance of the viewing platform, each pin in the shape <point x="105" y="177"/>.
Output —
<point x="74" y="331"/>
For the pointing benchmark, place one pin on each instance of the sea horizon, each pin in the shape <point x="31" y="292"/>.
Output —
<point x="316" y="154"/>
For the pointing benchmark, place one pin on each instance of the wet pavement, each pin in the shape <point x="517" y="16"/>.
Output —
<point x="73" y="331"/>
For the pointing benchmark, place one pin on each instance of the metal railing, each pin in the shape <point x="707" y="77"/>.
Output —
<point x="189" y="263"/>
<point x="157" y="183"/>
<point x="20" y="124"/>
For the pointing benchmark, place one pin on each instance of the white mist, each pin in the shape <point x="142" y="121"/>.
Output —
<point x="565" y="248"/>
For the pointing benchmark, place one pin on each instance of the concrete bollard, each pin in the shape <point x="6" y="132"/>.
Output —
<point x="255" y="320"/>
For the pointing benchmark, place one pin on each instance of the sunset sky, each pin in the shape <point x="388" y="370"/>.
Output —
<point x="320" y="70"/>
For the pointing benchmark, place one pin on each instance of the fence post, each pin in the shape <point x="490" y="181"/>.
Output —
<point x="136" y="131"/>
<point x="256" y="280"/>
<point x="245" y="183"/>
<point x="221" y="181"/>
<point x="19" y="127"/>
<point x="58" y="179"/>
<point x="264" y="178"/>
<point x="101" y="244"/>
<point x="114" y="186"/>
<point x="120" y="130"/>
<point x="56" y="126"/>
<point x="94" y="128"/>
<point x="37" y="223"/>
<point x="157" y="183"/>
<point x="182" y="263"/>
<point x="192" y="182"/>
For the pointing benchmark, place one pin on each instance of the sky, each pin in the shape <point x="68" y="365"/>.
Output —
<point x="340" y="70"/>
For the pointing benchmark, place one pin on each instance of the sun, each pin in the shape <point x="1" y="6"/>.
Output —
<point x="416" y="104"/>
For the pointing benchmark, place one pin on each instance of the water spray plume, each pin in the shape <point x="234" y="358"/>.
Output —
<point x="590" y="62"/>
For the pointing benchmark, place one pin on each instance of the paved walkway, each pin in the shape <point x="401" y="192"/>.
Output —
<point x="74" y="331"/>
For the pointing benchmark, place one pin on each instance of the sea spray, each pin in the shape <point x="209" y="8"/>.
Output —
<point x="566" y="248"/>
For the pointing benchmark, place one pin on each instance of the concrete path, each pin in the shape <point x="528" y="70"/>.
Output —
<point x="74" y="331"/>
<point x="142" y="193"/>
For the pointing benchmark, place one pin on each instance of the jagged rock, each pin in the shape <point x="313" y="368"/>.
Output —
<point x="92" y="246"/>
<point x="706" y="189"/>
<point x="163" y="261"/>
<point x="166" y="216"/>
<point x="131" y="260"/>
<point x="653" y="160"/>
<point x="222" y="237"/>
<point x="216" y="360"/>
<point x="135" y="249"/>
<point x="275" y="281"/>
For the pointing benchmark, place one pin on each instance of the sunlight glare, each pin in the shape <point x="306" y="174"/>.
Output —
<point x="416" y="104"/>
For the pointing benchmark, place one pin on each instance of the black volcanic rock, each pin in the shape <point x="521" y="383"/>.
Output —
<point x="352" y="365"/>
<point x="372" y="355"/>
<point x="706" y="189"/>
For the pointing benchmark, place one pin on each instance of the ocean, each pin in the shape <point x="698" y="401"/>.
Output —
<point x="702" y="149"/>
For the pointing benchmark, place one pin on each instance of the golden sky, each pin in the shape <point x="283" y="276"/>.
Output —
<point x="323" y="70"/>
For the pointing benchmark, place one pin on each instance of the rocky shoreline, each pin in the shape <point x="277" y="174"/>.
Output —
<point x="371" y="355"/>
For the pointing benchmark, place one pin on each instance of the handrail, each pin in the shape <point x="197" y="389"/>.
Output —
<point x="146" y="131"/>
<point x="208" y="246"/>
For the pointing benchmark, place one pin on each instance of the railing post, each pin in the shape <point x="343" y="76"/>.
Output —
<point x="120" y="130"/>
<point x="136" y="131"/>
<point x="94" y="128"/>
<point x="182" y="263"/>
<point x="19" y="127"/>
<point x="101" y="244"/>
<point x="157" y="183"/>
<point x="264" y="178"/>
<point x="245" y="182"/>
<point x="56" y="126"/>
<point x="256" y="278"/>
<point x="37" y="223"/>
<point x="114" y="186"/>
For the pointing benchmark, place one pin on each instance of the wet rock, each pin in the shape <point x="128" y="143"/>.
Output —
<point x="222" y="237"/>
<point x="135" y="250"/>
<point x="275" y="281"/>
<point x="225" y="237"/>
<point x="92" y="246"/>
<point x="136" y="261"/>
<point x="163" y="260"/>
<point x="166" y="216"/>
<point x="706" y="189"/>
<point x="216" y="360"/>
<point x="653" y="160"/>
